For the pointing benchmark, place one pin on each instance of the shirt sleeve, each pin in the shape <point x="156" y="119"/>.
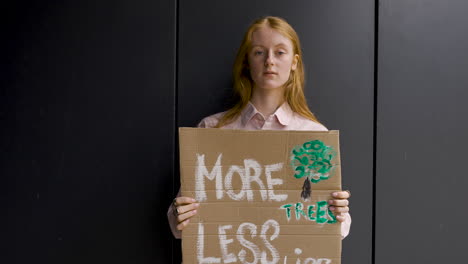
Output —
<point x="173" y="220"/>
<point x="346" y="226"/>
<point x="210" y="121"/>
<point x="202" y="124"/>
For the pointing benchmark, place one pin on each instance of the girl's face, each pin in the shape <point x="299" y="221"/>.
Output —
<point x="271" y="59"/>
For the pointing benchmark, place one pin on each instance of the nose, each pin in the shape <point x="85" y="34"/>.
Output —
<point x="269" y="60"/>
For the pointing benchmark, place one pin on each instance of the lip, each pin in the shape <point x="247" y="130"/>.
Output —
<point x="269" y="72"/>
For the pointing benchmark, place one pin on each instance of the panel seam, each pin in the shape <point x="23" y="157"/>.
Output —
<point x="176" y="112"/>
<point x="374" y="158"/>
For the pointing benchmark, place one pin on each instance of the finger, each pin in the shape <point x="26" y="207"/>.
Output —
<point x="182" y="225"/>
<point x="340" y="218"/>
<point x="339" y="209"/>
<point x="187" y="215"/>
<point x="184" y="200"/>
<point x="341" y="195"/>
<point x="338" y="202"/>
<point x="186" y="208"/>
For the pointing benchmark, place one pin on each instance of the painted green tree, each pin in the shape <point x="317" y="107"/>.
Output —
<point x="312" y="160"/>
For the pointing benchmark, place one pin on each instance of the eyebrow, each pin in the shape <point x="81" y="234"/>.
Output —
<point x="277" y="45"/>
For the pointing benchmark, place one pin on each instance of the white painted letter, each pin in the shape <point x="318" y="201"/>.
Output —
<point x="228" y="183"/>
<point x="298" y="251"/>
<point x="201" y="248"/>
<point x="257" y="168"/>
<point x="248" y="244"/>
<point x="271" y="182"/>
<point x="223" y="242"/>
<point x="201" y="172"/>
<point x="310" y="261"/>
<point x="274" y="253"/>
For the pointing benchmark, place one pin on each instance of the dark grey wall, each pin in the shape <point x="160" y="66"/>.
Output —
<point x="92" y="92"/>
<point x="422" y="132"/>
<point x="87" y="146"/>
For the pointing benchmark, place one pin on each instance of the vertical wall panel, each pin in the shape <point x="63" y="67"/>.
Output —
<point x="422" y="132"/>
<point x="87" y="115"/>
<point x="338" y="41"/>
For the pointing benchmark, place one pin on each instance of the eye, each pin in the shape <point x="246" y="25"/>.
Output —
<point x="281" y="52"/>
<point x="258" y="52"/>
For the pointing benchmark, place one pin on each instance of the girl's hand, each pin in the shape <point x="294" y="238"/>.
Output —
<point x="184" y="208"/>
<point x="339" y="204"/>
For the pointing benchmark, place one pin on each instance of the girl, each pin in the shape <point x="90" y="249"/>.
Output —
<point x="269" y="83"/>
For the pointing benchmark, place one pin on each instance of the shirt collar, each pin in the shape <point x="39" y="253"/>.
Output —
<point x="284" y="113"/>
<point x="247" y="113"/>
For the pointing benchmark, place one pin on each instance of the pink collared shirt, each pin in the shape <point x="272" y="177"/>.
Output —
<point x="251" y="119"/>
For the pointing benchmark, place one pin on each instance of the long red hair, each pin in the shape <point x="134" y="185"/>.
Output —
<point x="243" y="83"/>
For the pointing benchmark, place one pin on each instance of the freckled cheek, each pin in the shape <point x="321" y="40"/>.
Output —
<point x="286" y="69"/>
<point x="255" y="68"/>
<point x="255" y="72"/>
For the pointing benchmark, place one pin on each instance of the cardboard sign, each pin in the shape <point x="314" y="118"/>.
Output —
<point x="253" y="188"/>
